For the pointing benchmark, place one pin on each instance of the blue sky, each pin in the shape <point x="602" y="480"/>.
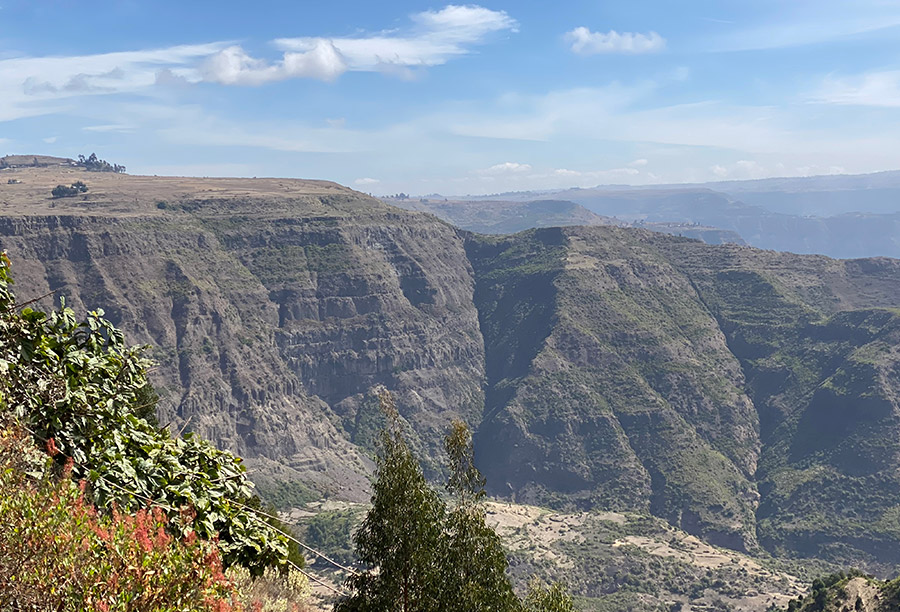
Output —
<point x="457" y="98"/>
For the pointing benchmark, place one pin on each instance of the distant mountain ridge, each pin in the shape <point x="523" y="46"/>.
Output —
<point x="504" y="217"/>
<point x="836" y="215"/>
<point x="751" y="398"/>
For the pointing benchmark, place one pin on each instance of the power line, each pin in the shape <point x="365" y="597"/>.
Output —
<point x="314" y="579"/>
<point x="310" y="549"/>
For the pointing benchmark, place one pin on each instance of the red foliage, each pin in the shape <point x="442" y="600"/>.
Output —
<point x="57" y="552"/>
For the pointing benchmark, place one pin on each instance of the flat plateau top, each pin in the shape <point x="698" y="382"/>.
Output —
<point x="26" y="191"/>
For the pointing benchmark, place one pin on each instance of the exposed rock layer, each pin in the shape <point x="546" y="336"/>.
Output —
<point x="746" y="396"/>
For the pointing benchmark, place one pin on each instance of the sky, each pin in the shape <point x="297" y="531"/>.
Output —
<point x="457" y="99"/>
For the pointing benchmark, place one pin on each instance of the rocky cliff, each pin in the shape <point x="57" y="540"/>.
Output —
<point x="746" y="396"/>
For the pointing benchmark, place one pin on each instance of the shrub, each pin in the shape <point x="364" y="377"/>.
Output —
<point x="77" y="384"/>
<point x="62" y="191"/>
<point x="58" y="553"/>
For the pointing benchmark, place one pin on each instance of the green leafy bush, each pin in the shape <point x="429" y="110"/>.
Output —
<point x="76" y="385"/>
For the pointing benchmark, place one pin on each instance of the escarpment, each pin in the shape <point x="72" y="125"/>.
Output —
<point x="748" y="397"/>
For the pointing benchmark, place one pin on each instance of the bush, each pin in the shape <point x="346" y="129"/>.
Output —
<point x="77" y="386"/>
<point x="61" y="191"/>
<point x="58" y="553"/>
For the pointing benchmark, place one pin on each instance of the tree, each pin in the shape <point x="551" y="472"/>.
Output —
<point x="95" y="164"/>
<point x="63" y="191"/>
<point x="553" y="598"/>
<point x="421" y="556"/>
<point x="401" y="540"/>
<point x="475" y="566"/>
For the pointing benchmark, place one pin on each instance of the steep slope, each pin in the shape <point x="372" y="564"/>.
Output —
<point x="818" y="340"/>
<point x="744" y="396"/>
<point x="273" y="306"/>
<point x="740" y="394"/>
<point x="840" y="592"/>
<point x="631" y="400"/>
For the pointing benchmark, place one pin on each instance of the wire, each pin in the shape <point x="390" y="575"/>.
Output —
<point x="314" y="579"/>
<point x="310" y="549"/>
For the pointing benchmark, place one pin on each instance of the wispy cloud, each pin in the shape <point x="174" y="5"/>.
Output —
<point x="121" y="128"/>
<point x="801" y="23"/>
<point x="33" y="86"/>
<point x="750" y="169"/>
<point x="366" y="182"/>
<point x="585" y="42"/>
<point x="436" y="37"/>
<point x="597" y="175"/>
<point x="870" y="89"/>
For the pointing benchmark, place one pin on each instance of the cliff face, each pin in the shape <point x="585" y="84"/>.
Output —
<point x="272" y="315"/>
<point x="632" y="400"/>
<point x="745" y="396"/>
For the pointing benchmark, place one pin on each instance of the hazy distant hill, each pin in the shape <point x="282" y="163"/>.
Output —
<point x="840" y="216"/>
<point x="510" y="216"/>
<point x="26" y="161"/>
<point x="504" y="217"/>
<point x="749" y="397"/>
<point x="820" y="195"/>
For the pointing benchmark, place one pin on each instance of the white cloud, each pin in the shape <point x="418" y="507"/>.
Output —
<point x="232" y="66"/>
<point x="870" y="89"/>
<point x="752" y="169"/>
<point x="437" y="37"/>
<point x="638" y="162"/>
<point x="362" y="182"/>
<point x="585" y="42"/>
<point x="819" y="170"/>
<point x="612" y="174"/>
<point x="49" y="139"/>
<point x="505" y="168"/>
<point x="566" y="172"/>
<point x="34" y="86"/>
<point x="466" y="23"/>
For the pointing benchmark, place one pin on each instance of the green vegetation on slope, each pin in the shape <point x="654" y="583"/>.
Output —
<point x="743" y="396"/>
<point x="626" y="400"/>
<point x="821" y="377"/>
